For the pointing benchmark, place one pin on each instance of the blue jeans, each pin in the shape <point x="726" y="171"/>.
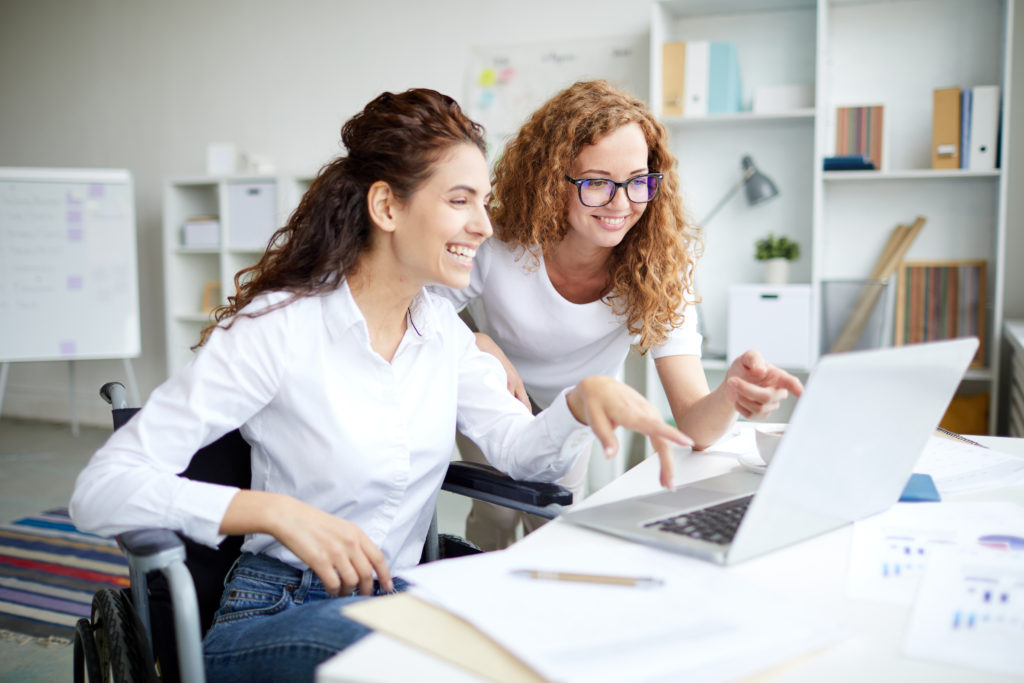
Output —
<point x="276" y="623"/>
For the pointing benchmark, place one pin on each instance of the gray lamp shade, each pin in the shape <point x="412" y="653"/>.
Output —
<point x="759" y="187"/>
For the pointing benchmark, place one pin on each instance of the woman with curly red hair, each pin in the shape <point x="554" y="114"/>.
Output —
<point x="593" y="253"/>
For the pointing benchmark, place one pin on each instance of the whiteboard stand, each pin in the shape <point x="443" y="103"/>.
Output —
<point x="129" y="376"/>
<point x="71" y="398"/>
<point x="5" y="368"/>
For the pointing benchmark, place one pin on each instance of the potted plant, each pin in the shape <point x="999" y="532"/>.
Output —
<point x="776" y="252"/>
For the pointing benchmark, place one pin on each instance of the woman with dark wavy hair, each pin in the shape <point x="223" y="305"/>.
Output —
<point x="348" y="380"/>
<point x="595" y="253"/>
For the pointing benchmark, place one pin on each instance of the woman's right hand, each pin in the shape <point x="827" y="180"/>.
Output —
<point x="336" y="550"/>
<point x="604" y="403"/>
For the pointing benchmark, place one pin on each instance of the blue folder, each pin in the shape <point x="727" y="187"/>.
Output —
<point x="920" y="489"/>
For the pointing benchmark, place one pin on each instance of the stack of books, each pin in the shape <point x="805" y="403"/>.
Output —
<point x="849" y="162"/>
<point x="859" y="132"/>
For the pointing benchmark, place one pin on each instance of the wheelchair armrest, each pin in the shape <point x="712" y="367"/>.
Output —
<point x="164" y="551"/>
<point x="145" y="543"/>
<point x="483" y="482"/>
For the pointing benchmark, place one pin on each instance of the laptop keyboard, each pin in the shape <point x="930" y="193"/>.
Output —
<point x="715" y="524"/>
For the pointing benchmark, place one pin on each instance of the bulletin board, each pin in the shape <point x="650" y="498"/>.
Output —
<point x="505" y="84"/>
<point x="68" y="265"/>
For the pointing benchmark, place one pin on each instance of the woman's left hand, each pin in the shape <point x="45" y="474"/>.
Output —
<point x="516" y="387"/>
<point x="756" y="387"/>
<point x="604" y="403"/>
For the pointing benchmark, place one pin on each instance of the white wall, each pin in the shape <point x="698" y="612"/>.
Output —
<point x="146" y="85"/>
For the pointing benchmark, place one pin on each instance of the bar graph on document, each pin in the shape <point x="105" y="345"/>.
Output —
<point x="888" y="566"/>
<point x="970" y="609"/>
<point x="891" y="552"/>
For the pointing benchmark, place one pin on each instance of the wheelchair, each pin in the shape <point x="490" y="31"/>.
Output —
<point x="153" y="630"/>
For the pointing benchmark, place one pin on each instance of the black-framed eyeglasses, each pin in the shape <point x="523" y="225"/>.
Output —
<point x="640" y="189"/>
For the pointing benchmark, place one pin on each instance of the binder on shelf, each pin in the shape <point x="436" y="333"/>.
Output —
<point x="984" y="134"/>
<point x="859" y="132"/>
<point x="698" y="57"/>
<point x="965" y="127"/>
<point x="673" y="62"/>
<point x="725" y="93"/>
<point x="946" y="128"/>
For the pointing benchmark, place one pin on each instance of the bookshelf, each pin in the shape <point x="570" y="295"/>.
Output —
<point x="853" y="52"/>
<point x="248" y="208"/>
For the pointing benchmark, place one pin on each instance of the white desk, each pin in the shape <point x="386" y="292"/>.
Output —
<point x="812" y="572"/>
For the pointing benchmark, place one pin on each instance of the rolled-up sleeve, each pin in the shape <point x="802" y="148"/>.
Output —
<point x="684" y="340"/>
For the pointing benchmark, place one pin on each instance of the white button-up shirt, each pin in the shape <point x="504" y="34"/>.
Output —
<point x="330" y="422"/>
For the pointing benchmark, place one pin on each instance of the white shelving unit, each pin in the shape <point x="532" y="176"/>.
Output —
<point x="187" y="272"/>
<point x="853" y="52"/>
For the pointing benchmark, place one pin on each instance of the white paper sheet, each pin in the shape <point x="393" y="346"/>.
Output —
<point x="970" y="610"/>
<point x="956" y="466"/>
<point x="891" y="551"/>
<point x="703" y="622"/>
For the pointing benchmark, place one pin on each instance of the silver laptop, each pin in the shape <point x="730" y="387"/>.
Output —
<point x="846" y="454"/>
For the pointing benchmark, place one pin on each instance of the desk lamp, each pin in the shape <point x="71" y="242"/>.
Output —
<point x="759" y="189"/>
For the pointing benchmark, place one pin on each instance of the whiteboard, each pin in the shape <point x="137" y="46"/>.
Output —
<point x="506" y="83"/>
<point x="68" y="265"/>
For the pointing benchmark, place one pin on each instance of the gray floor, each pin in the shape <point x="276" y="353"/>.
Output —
<point x="38" y="465"/>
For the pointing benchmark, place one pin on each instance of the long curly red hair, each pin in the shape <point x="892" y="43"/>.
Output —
<point x="652" y="268"/>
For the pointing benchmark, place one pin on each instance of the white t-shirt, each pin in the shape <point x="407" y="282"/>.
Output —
<point x="330" y="422"/>
<point x="552" y="342"/>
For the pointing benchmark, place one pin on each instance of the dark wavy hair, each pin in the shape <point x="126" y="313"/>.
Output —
<point x="396" y="139"/>
<point x="652" y="268"/>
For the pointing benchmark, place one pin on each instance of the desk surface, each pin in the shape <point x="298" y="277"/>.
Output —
<point x="812" y="572"/>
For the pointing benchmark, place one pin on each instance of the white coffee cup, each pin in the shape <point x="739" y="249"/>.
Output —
<point x="767" y="440"/>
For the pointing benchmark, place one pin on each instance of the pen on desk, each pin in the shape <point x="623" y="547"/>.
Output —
<point x="635" y="581"/>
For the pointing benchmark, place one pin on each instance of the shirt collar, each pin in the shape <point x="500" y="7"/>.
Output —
<point x="341" y="313"/>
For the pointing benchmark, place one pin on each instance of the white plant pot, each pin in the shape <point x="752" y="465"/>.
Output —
<point x="776" y="271"/>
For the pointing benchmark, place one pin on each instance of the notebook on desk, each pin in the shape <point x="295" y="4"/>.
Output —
<point x="853" y="439"/>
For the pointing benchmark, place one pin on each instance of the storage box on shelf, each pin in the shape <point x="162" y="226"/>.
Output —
<point x="200" y="259"/>
<point x="850" y="53"/>
<point x="776" y="320"/>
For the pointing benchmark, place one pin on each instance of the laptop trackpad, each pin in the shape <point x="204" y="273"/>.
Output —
<point x="707" y="491"/>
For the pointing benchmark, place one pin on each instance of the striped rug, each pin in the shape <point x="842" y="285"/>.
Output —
<point x="49" y="571"/>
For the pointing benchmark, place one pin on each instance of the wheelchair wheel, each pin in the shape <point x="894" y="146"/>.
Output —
<point x="455" y="546"/>
<point x="120" y="644"/>
<point x="86" y="660"/>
